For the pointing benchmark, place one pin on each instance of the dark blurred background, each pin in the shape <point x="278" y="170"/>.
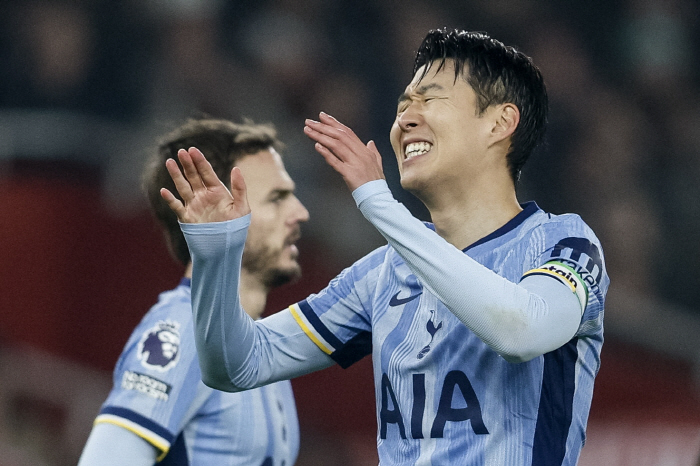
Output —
<point x="86" y="86"/>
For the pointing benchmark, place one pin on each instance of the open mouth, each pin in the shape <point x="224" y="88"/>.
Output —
<point x="414" y="149"/>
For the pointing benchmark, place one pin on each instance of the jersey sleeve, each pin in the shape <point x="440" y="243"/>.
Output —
<point x="338" y="318"/>
<point x="567" y="250"/>
<point x="515" y="320"/>
<point x="157" y="385"/>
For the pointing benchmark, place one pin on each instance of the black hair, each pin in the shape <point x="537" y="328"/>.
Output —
<point x="498" y="74"/>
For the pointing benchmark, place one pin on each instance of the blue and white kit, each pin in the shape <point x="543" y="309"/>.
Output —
<point x="158" y="395"/>
<point x="485" y="356"/>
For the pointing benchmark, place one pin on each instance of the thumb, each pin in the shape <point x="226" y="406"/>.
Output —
<point x="239" y="191"/>
<point x="373" y="147"/>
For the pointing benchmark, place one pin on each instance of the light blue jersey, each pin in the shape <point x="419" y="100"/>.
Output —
<point x="158" y="394"/>
<point x="443" y="396"/>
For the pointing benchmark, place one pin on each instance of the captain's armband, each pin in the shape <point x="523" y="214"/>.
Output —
<point x="565" y="275"/>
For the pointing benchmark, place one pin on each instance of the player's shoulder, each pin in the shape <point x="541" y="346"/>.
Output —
<point x="372" y="260"/>
<point x="560" y="226"/>
<point x="176" y="303"/>
<point x="170" y="318"/>
<point x="164" y="338"/>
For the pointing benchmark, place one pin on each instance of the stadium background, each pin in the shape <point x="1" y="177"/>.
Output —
<point x="85" y="86"/>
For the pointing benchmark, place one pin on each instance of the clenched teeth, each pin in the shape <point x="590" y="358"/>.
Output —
<point x="415" y="149"/>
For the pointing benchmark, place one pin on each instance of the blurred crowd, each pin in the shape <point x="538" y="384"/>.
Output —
<point x="91" y="83"/>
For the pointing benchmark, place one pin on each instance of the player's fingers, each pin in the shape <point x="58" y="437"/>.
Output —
<point x="174" y="203"/>
<point x="373" y="148"/>
<point x="181" y="184"/>
<point x="204" y="168"/>
<point x="239" y="191"/>
<point x="332" y="121"/>
<point x="330" y="157"/>
<point x="190" y="170"/>
<point x="323" y="128"/>
<point x="328" y="142"/>
<point x="339" y="132"/>
<point x="331" y="127"/>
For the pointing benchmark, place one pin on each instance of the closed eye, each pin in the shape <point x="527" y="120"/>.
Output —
<point x="279" y="195"/>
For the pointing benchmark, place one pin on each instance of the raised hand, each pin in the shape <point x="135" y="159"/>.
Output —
<point x="342" y="149"/>
<point x="204" y="197"/>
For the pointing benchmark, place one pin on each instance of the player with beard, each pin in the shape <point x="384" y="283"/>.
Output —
<point x="159" y="410"/>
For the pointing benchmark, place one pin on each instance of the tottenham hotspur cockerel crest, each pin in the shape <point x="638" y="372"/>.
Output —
<point x="159" y="347"/>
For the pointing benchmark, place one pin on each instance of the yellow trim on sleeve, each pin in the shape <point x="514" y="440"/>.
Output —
<point x="308" y="332"/>
<point x="163" y="447"/>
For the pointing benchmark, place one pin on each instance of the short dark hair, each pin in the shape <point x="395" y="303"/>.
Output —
<point x="223" y="142"/>
<point x="498" y="74"/>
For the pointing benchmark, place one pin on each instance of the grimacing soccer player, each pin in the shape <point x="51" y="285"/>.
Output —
<point x="485" y="326"/>
<point x="159" y="410"/>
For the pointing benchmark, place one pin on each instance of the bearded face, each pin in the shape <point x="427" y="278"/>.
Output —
<point x="270" y="254"/>
<point x="274" y="263"/>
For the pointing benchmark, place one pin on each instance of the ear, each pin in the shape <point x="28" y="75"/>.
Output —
<point x="507" y="117"/>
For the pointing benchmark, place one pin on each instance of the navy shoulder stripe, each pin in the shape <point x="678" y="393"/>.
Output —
<point x="355" y="349"/>
<point x="177" y="455"/>
<point x="140" y="420"/>
<point x="318" y="325"/>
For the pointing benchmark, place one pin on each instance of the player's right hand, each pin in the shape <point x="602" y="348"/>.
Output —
<point x="204" y="197"/>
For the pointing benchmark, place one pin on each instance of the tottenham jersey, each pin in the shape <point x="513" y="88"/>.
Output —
<point x="443" y="396"/>
<point x="158" y="394"/>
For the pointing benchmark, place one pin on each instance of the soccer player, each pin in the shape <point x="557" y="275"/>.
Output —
<point x="485" y="326"/>
<point x="159" y="410"/>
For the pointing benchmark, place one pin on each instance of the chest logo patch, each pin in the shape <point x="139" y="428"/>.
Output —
<point x="159" y="347"/>
<point x="432" y="330"/>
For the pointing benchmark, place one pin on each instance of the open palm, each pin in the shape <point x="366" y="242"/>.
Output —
<point x="205" y="198"/>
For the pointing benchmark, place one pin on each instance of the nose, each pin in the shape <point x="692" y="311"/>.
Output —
<point x="409" y="118"/>
<point x="300" y="213"/>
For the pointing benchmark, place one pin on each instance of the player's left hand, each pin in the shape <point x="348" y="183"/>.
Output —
<point x="204" y="197"/>
<point x="356" y="162"/>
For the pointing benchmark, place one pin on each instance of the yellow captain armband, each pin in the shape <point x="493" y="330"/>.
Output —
<point x="565" y="275"/>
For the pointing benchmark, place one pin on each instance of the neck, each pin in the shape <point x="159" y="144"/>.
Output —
<point x="253" y="295"/>
<point x="252" y="292"/>
<point x="464" y="214"/>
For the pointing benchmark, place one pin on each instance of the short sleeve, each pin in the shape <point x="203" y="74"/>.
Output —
<point x="568" y="249"/>
<point x="339" y="318"/>
<point x="157" y="379"/>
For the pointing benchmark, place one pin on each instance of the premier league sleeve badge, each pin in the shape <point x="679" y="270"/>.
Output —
<point x="159" y="347"/>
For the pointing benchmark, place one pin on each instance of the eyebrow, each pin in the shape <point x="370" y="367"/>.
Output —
<point x="421" y="90"/>
<point x="280" y="192"/>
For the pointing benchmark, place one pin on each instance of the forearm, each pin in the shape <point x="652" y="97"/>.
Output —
<point x="224" y="333"/>
<point x="236" y="353"/>
<point x="519" y="321"/>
